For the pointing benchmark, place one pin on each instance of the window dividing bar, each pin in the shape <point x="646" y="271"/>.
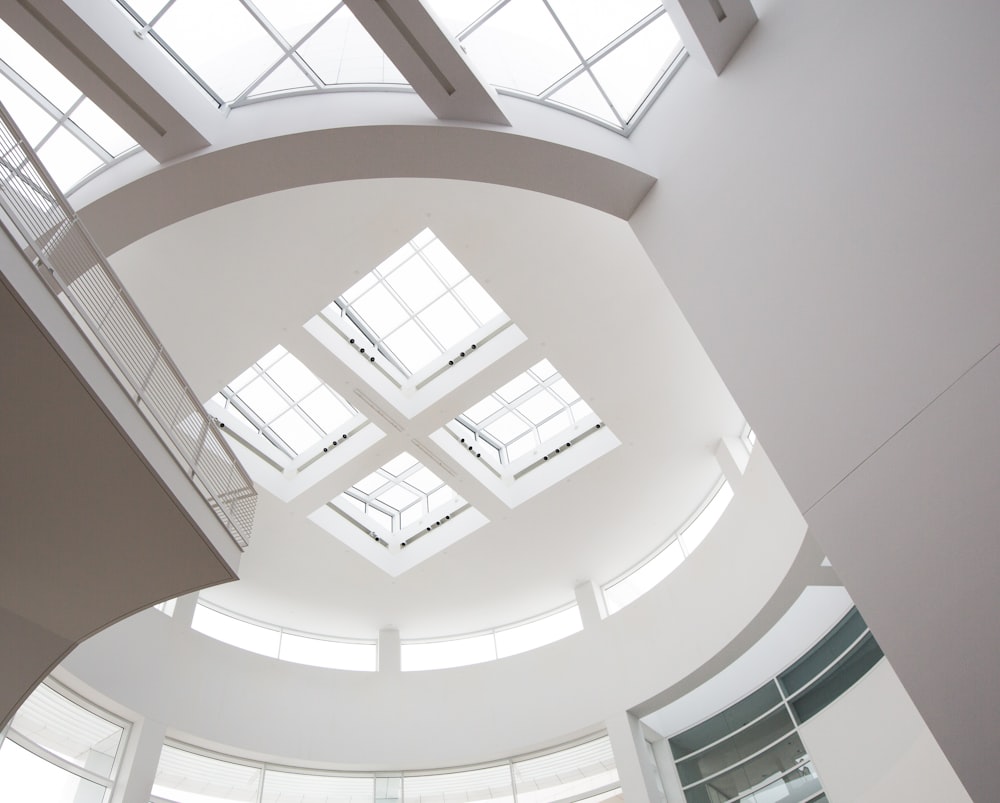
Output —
<point x="289" y="51"/>
<point x="81" y="772"/>
<point x="472" y="26"/>
<point x="819" y="675"/>
<point x="584" y="62"/>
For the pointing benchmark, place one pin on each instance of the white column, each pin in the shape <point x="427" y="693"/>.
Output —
<point x="138" y="768"/>
<point x="590" y="601"/>
<point x="636" y="769"/>
<point x="732" y="457"/>
<point x="671" y="781"/>
<point x="389" y="650"/>
<point x="184" y="609"/>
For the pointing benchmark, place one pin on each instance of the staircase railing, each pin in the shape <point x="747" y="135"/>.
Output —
<point x="73" y="267"/>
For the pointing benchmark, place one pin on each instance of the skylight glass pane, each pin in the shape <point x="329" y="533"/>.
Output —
<point x="405" y="486"/>
<point x="399" y="464"/>
<point x="412" y="347"/>
<point x="221" y="41"/>
<point x="554" y="426"/>
<point x="343" y="52"/>
<point x="582" y="94"/>
<point x="286" y="76"/>
<point x="294" y="430"/>
<point x="482" y="410"/>
<point x="521" y="47"/>
<point x="543" y="631"/>
<point x="447" y="321"/>
<point x="147" y="9"/>
<point x="68" y="730"/>
<point x="101" y="128"/>
<point x="478" y="301"/>
<point x="36" y="70"/>
<point x="630" y="71"/>
<point x="508" y="427"/>
<point x="293" y="787"/>
<point x="698" y="529"/>
<point x="187" y="777"/>
<point x="293" y="18"/>
<point x="380" y="310"/>
<point x="416" y="282"/>
<point x="263" y="400"/>
<point x="565" y="392"/>
<point x="293" y="377"/>
<point x="592" y="24"/>
<point x="540" y="407"/>
<point x="325" y="409"/>
<point x="356" y="657"/>
<point x="516" y="388"/>
<point x="418" y="304"/>
<point x="443" y="654"/>
<point x="237" y="632"/>
<point x="33" y="121"/>
<point x="457" y="15"/>
<point x="521" y="446"/>
<point x="67" y="159"/>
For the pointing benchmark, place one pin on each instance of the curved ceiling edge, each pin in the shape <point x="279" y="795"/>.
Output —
<point x="220" y="177"/>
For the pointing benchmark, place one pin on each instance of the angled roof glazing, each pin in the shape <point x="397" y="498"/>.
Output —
<point x="71" y="135"/>
<point x="598" y="58"/>
<point x="237" y="49"/>
<point x="416" y="306"/>
<point x="286" y="403"/>
<point x="397" y="496"/>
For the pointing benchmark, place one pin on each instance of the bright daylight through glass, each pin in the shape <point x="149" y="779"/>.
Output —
<point x="239" y="50"/>
<point x="399" y="495"/>
<point x="417" y="305"/>
<point x="601" y="58"/>
<point x="532" y="409"/>
<point x="286" y="402"/>
<point x="72" y="136"/>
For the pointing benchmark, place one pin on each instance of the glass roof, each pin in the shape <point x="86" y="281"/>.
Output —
<point x="417" y="306"/>
<point x="603" y="59"/>
<point x="534" y="408"/>
<point x="397" y="496"/>
<point x="286" y="402"/>
<point x="71" y="135"/>
<point x="239" y="50"/>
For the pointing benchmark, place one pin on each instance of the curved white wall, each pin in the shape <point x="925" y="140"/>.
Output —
<point x="719" y="601"/>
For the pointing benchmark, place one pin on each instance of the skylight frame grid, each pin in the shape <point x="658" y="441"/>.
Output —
<point x="341" y="308"/>
<point x="621" y="123"/>
<point x="480" y="430"/>
<point x="61" y="121"/>
<point x="288" y="52"/>
<point x="374" y="499"/>
<point x="230" y="397"/>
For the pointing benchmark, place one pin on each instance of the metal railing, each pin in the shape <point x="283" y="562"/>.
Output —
<point x="69" y="261"/>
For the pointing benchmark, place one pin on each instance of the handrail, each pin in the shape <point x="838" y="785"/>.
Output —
<point x="70" y="263"/>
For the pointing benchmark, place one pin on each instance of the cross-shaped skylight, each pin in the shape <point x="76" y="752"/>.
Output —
<point x="286" y="402"/>
<point x="400" y="496"/>
<point x="532" y="409"/>
<point x="418" y="306"/>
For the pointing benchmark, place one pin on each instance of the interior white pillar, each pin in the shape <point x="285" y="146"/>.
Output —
<point x="672" y="788"/>
<point x="712" y="30"/>
<point x="590" y="601"/>
<point x="138" y="767"/>
<point x="635" y="764"/>
<point x="389" y="650"/>
<point x="733" y="458"/>
<point x="184" y="607"/>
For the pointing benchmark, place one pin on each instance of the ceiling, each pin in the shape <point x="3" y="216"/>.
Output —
<point x="225" y="286"/>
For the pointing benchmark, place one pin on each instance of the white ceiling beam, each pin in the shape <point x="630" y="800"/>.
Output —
<point x="712" y="30"/>
<point x="95" y="45"/>
<point x="429" y="58"/>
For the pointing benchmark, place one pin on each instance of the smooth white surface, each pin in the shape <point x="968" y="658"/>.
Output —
<point x="872" y="745"/>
